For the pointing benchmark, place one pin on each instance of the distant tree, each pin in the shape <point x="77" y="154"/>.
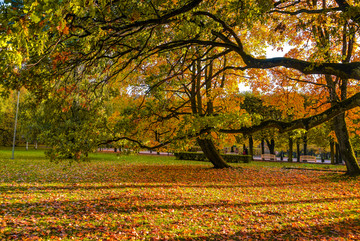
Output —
<point x="7" y="118"/>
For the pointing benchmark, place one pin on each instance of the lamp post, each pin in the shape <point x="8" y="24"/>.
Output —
<point x="16" y="117"/>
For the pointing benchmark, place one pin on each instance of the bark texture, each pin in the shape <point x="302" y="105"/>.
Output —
<point x="251" y="146"/>
<point x="345" y="147"/>
<point x="271" y="145"/>
<point x="332" y="151"/>
<point x="210" y="151"/>
<point x="206" y="144"/>
<point x="291" y="148"/>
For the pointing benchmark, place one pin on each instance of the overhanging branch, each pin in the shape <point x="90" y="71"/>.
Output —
<point x="304" y="123"/>
<point x="142" y="145"/>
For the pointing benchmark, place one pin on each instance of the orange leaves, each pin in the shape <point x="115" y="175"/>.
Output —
<point x="159" y="198"/>
<point x="63" y="28"/>
<point x="60" y="57"/>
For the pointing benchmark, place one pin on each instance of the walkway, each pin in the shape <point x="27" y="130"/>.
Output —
<point x="256" y="158"/>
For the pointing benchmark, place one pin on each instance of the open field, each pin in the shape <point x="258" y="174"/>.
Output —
<point x="160" y="198"/>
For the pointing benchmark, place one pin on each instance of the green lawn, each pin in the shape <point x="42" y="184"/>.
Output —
<point x="159" y="198"/>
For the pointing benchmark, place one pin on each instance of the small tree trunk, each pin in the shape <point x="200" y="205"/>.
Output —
<point x="251" y="146"/>
<point x="262" y="146"/>
<point x="211" y="153"/>
<point x="290" y="154"/>
<point x="271" y="146"/>
<point x="298" y="151"/>
<point x="272" y="151"/>
<point x="337" y="153"/>
<point x="345" y="147"/>
<point x="305" y="144"/>
<point x="332" y="151"/>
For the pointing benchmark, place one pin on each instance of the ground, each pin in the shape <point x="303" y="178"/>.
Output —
<point x="160" y="198"/>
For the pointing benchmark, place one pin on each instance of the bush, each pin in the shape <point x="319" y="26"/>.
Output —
<point x="199" y="156"/>
<point x="237" y="158"/>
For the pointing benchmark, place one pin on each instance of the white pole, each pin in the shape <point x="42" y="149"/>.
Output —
<point x="16" y="117"/>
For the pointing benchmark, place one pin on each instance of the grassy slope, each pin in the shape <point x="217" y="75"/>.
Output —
<point x="153" y="197"/>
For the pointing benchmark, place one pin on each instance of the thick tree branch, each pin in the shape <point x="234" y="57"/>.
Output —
<point x="342" y="70"/>
<point x="304" y="123"/>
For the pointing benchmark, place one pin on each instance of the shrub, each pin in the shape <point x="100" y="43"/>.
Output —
<point x="199" y="156"/>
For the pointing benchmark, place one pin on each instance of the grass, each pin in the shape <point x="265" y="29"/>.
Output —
<point x="160" y="198"/>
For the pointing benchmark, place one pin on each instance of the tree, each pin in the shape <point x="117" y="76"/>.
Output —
<point x="7" y="117"/>
<point x="71" y="121"/>
<point x="119" y="36"/>
<point x="255" y="107"/>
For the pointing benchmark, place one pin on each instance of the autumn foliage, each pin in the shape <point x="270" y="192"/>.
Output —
<point x="159" y="198"/>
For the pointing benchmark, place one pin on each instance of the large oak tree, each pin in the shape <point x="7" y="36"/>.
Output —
<point x="105" y="39"/>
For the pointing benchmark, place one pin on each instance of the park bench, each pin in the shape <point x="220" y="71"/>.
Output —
<point x="307" y="158"/>
<point x="268" y="157"/>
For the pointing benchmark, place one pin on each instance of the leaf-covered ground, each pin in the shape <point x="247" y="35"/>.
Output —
<point x="159" y="198"/>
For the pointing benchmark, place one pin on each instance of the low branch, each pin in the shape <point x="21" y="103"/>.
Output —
<point x="303" y="123"/>
<point x="141" y="145"/>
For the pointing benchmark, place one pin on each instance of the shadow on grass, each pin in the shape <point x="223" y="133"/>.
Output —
<point x="130" y="204"/>
<point x="339" y="177"/>
<point x="344" y="230"/>
<point x="11" y="189"/>
<point x="85" y="212"/>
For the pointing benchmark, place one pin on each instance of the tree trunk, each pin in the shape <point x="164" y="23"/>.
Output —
<point x="290" y="154"/>
<point x="332" y="151"/>
<point x="211" y="153"/>
<point x="345" y="147"/>
<point x="262" y="146"/>
<point x="298" y="151"/>
<point x="272" y="150"/>
<point x="271" y="146"/>
<point x="251" y="146"/>
<point x="337" y="153"/>
<point x="305" y="144"/>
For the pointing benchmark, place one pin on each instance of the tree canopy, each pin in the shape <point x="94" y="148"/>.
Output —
<point x="186" y="58"/>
